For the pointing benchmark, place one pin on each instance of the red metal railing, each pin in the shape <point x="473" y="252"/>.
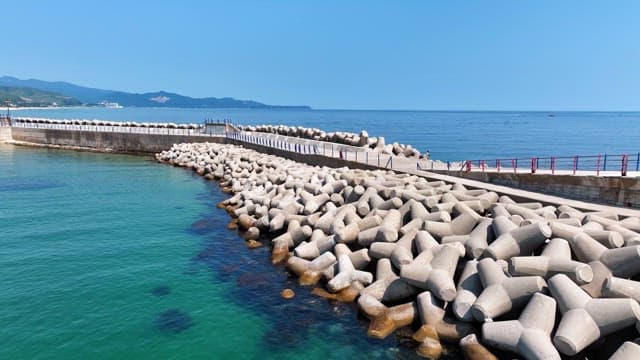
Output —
<point x="601" y="164"/>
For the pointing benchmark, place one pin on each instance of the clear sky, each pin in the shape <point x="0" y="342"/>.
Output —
<point x="473" y="55"/>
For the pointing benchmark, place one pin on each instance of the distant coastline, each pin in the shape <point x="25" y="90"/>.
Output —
<point x="19" y="108"/>
<point x="92" y="96"/>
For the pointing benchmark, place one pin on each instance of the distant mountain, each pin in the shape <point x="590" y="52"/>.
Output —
<point x="91" y="96"/>
<point x="27" y="96"/>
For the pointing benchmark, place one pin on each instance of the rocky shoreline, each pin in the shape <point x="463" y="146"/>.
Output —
<point x="455" y="265"/>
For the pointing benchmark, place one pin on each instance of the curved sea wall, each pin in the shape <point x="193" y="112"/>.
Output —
<point x="454" y="265"/>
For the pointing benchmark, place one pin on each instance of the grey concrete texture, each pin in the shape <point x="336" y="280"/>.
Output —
<point x="530" y="335"/>
<point x="628" y="351"/>
<point x="585" y="319"/>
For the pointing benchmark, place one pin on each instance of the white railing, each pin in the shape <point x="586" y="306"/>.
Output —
<point x="117" y="129"/>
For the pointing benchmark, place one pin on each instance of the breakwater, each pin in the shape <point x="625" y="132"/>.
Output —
<point x="456" y="265"/>
<point x="111" y="136"/>
<point x="130" y="137"/>
<point x="361" y="139"/>
<point x="5" y="133"/>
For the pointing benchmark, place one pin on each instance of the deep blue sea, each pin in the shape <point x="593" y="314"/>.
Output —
<point x="447" y="135"/>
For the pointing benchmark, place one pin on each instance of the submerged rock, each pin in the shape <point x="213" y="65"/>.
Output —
<point x="288" y="294"/>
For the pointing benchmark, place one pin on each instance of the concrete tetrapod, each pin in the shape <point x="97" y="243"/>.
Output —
<point x="349" y="233"/>
<point x="628" y="351"/>
<point x="479" y="238"/>
<point x="469" y="287"/>
<point x="610" y="239"/>
<point x="431" y="313"/>
<point x="347" y="275"/>
<point x="463" y="224"/>
<point x="502" y="225"/>
<point x="622" y="262"/>
<point x="473" y="350"/>
<point x="359" y="258"/>
<point x="399" y="252"/>
<point x="391" y="224"/>
<point x="530" y="335"/>
<point x="555" y="259"/>
<point x="437" y="275"/>
<point x="615" y="287"/>
<point x="584" y="319"/>
<point x="436" y="326"/>
<point x="295" y="234"/>
<point x="310" y="272"/>
<point x="520" y="241"/>
<point x="318" y="244"/>
<point x="385" y="320"/>
<point x="388" y="286"/>
<point x="501" y="294"/>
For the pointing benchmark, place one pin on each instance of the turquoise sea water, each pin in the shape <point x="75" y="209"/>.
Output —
<point x="449" y="135"/>
<point x="113" y="256"/>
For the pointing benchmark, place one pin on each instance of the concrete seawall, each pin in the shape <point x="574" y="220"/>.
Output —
<point x="311" y="159"/>
<point x="5" y="133"/>
<point x="106" y="141"/>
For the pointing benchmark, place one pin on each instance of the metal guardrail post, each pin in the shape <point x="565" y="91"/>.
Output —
<point x="514" y="165"/>
<point x="604" y="165"/>
<point x="625" y="163"/>
<point x="598" y="166"/>
<point x="498" y="165"/>
<point x="534" y="164"/>
<point x="637" y="161"/>
<point x="575" y="164"/>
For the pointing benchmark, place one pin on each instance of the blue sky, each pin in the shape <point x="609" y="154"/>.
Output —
<point x="464" y="55"/>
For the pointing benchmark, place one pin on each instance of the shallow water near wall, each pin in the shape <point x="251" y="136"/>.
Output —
<point x="114" y="256"/>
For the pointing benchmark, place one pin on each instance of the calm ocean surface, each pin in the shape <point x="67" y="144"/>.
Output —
<point x="117" y="257"/>
<point x="448" y="135"/>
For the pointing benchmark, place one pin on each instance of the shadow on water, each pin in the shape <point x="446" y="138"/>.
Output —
<point x="32" y="185"/>
<point x="258" y="285"/>
<point x="173" y="320"/>
<point x="161" y="290"/>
